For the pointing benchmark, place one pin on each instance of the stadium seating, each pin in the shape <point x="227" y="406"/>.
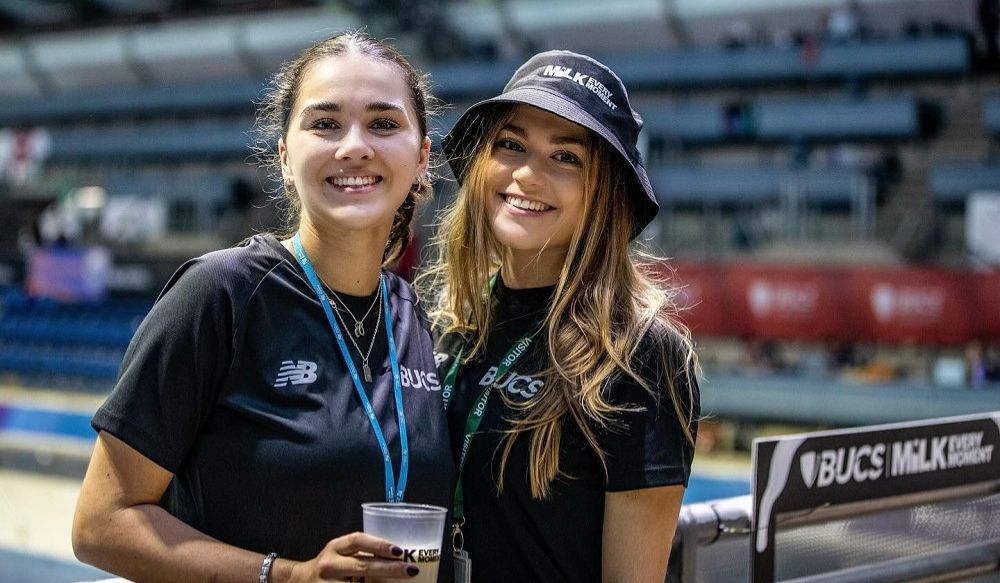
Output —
<point x="43" y="342"/>
<point x="751" y="66"/>
<point x="152" y="142"/>
<point x="952" y="183"/>
<point x="991" y="115"/>
<point x="786" y="120"/>
<point x="694" y="186"/>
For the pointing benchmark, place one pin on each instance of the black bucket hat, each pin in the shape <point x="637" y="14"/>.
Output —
<point x="579" y="89"/>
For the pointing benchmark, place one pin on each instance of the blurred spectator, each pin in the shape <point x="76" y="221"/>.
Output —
<point x="846" y="23"/>
<point x="762" y="357"/>
<point x="887" y="172"/>
<point x="59" y="224"/>
<point x="978" y="369"/>
<point x="738" y="34"/>
<point x="843" y="355"/>
<point x="989" y="26"/>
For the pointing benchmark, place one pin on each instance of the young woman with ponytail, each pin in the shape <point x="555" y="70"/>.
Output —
<point x="273" y="388"/>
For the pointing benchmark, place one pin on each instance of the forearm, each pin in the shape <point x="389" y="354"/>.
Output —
<point x="145" y="543"/>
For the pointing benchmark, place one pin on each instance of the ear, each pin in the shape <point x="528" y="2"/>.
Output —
<point x="286" y="170"/>
<point x="425" y="156"/>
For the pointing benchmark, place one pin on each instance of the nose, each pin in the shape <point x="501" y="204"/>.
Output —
<point x="354" y="145"/>
<point x="526" y="175"/>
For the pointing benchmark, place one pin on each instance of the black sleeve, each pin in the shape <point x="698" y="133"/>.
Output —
<point x="646" y="446"/>
<point x="174" y="367"/>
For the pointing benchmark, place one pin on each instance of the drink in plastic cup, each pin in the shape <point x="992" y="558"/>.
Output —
<point x="416" y="528"/>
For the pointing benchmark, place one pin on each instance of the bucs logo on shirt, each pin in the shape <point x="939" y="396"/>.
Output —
<point x="514" y="383"/>
<point x="418" y="379"/>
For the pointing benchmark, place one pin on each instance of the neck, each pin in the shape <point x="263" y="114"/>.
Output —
<point x="347" y="261"/>
<point x="528" y="269"/>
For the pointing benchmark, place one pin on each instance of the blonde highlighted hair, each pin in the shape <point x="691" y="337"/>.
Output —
<point x="607" y="300"/>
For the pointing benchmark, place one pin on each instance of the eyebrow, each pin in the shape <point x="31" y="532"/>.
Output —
<point x="560" y="140"/>
<point x="333" y="107"/>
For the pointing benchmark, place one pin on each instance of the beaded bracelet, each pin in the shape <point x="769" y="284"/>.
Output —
<point x="265" y="568"/>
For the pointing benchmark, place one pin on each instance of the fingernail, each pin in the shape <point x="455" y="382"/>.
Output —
<point x="412" y="571"/>
<point x="396" y="551"/>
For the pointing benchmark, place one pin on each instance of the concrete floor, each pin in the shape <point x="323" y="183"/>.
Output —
<point x="36" y="514"/>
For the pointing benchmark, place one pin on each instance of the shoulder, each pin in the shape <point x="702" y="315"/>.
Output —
<point x="232" y="273"/>
<point x="403" y="296"/>
<point x="663" y="366"/>
<point x="663" y="349"/>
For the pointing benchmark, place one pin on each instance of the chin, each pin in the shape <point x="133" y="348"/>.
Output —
<point x="360" y="219"/>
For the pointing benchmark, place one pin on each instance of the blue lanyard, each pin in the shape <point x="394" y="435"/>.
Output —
<point x="393" y="491"/>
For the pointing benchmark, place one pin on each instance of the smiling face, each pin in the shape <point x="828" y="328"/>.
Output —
<point x="353" y="147"/>
<point x="536" y="181"/>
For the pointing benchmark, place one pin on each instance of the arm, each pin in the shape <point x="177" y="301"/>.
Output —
<point x="639" y="530"/>
<point x="120" y="527"/>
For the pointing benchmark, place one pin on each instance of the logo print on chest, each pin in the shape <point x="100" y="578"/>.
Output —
<point x="302" y="372"/>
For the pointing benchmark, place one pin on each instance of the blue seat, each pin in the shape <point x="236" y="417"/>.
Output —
<point x="694" y="186"/>
<point x="952" y="183"/>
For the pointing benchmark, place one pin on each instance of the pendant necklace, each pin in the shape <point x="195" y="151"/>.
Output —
<point x="365" y="369"/>
<point x="339" y="305"/>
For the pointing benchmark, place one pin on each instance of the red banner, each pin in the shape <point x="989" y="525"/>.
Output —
<point x="778" y="301"/>
<point x="893" y="305"/>
<point x="986" y="305"/>
<point x="703" y="302"/>
<point x="911" y="306"/>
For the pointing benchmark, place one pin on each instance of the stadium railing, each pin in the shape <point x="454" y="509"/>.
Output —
<point x="713" y="539"/>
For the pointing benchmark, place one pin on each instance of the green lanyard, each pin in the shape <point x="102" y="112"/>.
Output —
<point x="476" y="414"/>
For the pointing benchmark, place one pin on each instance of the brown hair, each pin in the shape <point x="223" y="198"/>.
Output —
<point x="275" y="110"/>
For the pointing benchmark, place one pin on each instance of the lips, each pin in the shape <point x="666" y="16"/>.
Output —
<point x="526" y="204"/>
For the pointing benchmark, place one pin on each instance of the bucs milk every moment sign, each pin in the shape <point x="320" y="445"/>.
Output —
<point x="816" y="470"/>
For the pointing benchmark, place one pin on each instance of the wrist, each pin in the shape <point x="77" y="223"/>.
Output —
<point x="264" y="576"/>
<point x="285" y="571"/>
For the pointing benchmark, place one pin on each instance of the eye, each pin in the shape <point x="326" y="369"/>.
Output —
<point x="567" y="158"/>
<point x="508" y="144"/>
<point x="384" y="124"/>
<point x="324" y="124"/>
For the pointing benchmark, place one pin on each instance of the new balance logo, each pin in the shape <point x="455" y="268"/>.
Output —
<point x="302" y="372"/>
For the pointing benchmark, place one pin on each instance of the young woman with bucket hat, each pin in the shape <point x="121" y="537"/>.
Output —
<point x="570" y="386"/>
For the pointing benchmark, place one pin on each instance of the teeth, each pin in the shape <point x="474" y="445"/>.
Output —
<point x="528" y="205"/>
<point x="354" y="180"/>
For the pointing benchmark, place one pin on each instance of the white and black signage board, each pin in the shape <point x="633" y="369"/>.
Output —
<point x="813" y="470"/>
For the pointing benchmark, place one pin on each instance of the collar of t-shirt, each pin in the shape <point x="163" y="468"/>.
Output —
<point x="511" y="306"/>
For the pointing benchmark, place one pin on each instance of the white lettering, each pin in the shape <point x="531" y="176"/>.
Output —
<point x="827" y="468"/>
<point x="489" y="377"/>
<point x="878" y="461"/>
<point x="938" y="460"/>
<point x="418" y="379"/>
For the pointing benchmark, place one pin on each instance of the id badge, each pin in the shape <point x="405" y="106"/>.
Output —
<point x="463" y="567"/>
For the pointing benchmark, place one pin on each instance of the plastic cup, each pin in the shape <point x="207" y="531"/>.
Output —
<point x="416" y="528"/>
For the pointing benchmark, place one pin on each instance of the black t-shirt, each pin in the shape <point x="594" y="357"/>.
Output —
<point x="512" y="537"/>
<point x="234" y="383"/>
